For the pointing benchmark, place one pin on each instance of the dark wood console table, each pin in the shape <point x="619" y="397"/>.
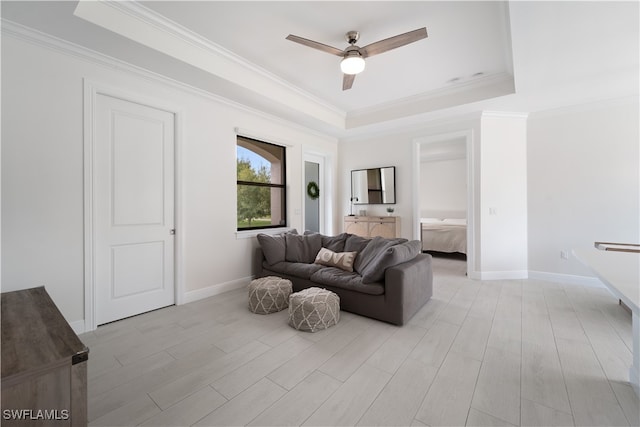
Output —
<point x="44" y="363"/>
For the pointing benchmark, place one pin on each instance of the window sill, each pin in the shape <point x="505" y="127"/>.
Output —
<point x="248" y="234"/>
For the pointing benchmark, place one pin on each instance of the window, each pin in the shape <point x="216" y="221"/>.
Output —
<point x="262" y="201"/>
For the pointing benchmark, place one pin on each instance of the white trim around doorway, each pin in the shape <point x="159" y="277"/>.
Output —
<point x="471" y="191"/>
<point x="91" y="90"/>
<point x="325" y="190"/>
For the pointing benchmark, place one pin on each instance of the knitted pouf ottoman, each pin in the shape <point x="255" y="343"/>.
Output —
<point x="269" y="294"/>
<point x="313" y="309"/>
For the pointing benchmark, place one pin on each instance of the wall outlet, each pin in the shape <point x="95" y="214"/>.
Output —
<point x="564" y="254"/>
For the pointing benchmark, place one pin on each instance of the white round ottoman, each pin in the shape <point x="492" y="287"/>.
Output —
<point x="313" y="309"/>
<point x="269" y="294"/>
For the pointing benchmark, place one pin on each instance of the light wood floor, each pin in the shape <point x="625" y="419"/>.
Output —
<point x="517" y="352"/>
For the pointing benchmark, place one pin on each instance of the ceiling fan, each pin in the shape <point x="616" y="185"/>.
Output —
<point x="353" y="56"/>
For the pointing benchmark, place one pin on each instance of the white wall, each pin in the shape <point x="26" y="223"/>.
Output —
<point x="557" y="180"/>
<point x="583" y="183"/>
<point x="359" y="155"/>
<point x="393" y="149"/>
<point x="498" y="168"/>
<point x="443" y="185"/>
<point x="503" y="196"/>
<point x="580" y="177"/>
<point x="42" y="173"/>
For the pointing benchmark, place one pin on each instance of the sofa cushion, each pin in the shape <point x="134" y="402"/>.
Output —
<point x="355" y="243"/>
<point x="274" y="246"/>
<point x="335" y="243"/>
<point x="297" y="269"/>
<point x="394" y="255"/>
<point x="342" y="260"/>
<point x="301" y="269"/>
<point x="302" y="248"/>
<point x="369" y="253"/>
<point x="337" y="278"/>
<point x="278" y="267"/>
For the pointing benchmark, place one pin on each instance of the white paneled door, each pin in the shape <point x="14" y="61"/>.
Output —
<point x="133" y="208"/>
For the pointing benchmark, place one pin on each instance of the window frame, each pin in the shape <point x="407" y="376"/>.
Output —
<point x="282" y="186"/>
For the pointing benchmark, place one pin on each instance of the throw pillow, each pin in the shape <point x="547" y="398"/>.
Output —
<point x="273" y="246"/>
<point x="302" y="248"/>
<point x="342" y="260"/>
<point x="394" y="255"/>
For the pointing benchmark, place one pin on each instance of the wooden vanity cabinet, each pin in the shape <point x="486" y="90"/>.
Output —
<point x="372" y="226"/>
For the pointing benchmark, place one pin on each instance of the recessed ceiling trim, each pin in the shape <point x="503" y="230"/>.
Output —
<point x="490" y="86"/>
<point x="150" y="29"/>
<point x="65" y="47"/>
<point x="428" y="124"/>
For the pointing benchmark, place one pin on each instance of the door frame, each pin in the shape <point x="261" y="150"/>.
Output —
<point x="320" y="160"/>
<point x="91" y="91"/>
<point x="468" y="135"/>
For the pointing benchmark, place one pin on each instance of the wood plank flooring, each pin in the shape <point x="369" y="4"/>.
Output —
<point x="512" y="352"/>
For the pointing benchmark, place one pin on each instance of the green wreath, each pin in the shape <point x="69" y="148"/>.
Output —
<point x="312" y="190"/>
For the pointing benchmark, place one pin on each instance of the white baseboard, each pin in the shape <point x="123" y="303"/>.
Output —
<point x="570" y="279"/>
<point x="79" y="326"/>
<point x="210" y="291"/>
<point x="500" y="275"/>
<point x="475" y="275"/>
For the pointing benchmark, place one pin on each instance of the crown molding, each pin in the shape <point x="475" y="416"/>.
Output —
<point x="67" y="48"/>
<point x="427" y="125"/>
<point x="151" y="17"/>
<point x="141" y="24"/>
<point x="490" y="86"/>
<point x="485" y="81"/>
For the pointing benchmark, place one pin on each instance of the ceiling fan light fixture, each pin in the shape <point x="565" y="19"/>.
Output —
<point x="353" y="56"/>
<point x="352" y="64"/>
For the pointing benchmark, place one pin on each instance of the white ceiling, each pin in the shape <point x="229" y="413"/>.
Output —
<point x="464" y="39"/>
<point x="521" y="56"/>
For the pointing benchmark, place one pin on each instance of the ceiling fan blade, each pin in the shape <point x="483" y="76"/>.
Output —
<point x="393" y="42"/>
<point x="347" y="81"/>
<point x="316" y="45"/>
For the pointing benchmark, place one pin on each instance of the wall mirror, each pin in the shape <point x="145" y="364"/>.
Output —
<point x="373" y="186"/>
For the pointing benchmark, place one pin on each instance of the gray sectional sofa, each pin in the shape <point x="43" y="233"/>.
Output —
<point x="385" y="279"/>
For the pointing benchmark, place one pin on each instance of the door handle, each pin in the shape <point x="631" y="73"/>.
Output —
<point x="172" y="231"/>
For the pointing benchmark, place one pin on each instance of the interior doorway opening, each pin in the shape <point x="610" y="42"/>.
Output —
<point x="312" y="197"/>
<point x="443" y="196"/>
<point x="315" y="188"/>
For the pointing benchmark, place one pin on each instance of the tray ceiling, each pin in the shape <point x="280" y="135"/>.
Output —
<point x="476" y="51"/>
